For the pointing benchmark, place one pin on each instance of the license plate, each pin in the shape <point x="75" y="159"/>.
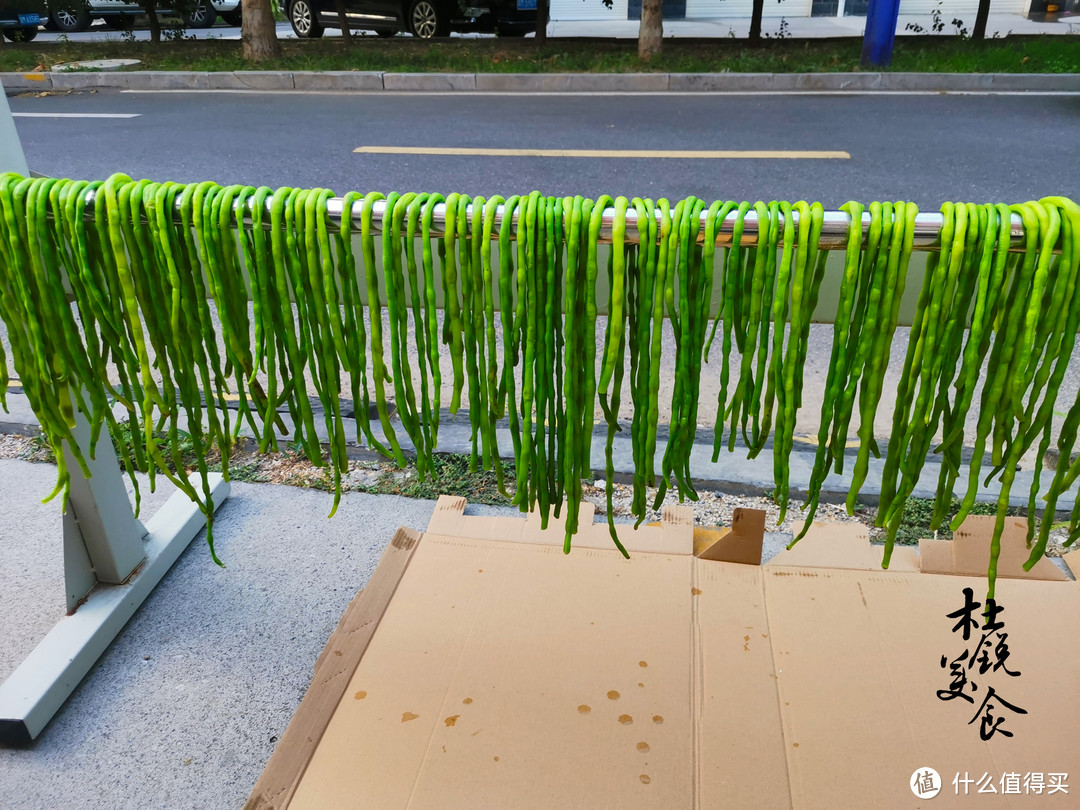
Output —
<point x="29" y="19"/>
<point x="526" y="5"/>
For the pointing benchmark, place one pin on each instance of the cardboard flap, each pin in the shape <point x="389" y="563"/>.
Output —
<point x="843" y="546"/>
<point x="1072" y="559"/>
<point x="333" y="670"/>
<point x="673" y="535"/>
<point x="739" y="544"/>
<point x="968" y="553"/>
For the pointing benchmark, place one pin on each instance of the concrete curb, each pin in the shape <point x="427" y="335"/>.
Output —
<point x="735" y="473"/>
<point x="367" y="81"/>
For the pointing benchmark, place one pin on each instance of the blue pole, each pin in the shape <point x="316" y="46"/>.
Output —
<point x="881" y="19"/>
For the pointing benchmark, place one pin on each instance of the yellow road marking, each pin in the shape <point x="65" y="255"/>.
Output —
<point x="704" y="154"/>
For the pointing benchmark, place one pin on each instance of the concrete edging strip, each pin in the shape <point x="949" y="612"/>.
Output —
<point x="367" y="81"/>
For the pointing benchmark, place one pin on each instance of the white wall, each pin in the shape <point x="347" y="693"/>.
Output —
<point x="719" y="9"/>
<point x="964" y="9"/>
<point x="586" y="10"/>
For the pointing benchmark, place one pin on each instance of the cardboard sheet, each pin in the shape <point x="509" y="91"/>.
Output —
<point x="505" y="674"/>
<point x="739" y="739"/>
<point x="857" y="657"/>
<point x="472" y="695"/>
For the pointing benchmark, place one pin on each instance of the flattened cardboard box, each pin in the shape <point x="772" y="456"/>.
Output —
<point x="498" y="672"/>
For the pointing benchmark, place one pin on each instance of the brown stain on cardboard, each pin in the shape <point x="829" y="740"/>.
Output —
<point x="613" y="695"/>
<point x="625" y="719"/>
<point x="407" y="716"/>
<point x="403" y="540"/>
<point x="337" y="652"/>
<point x="643" y="664"/>
<point x="643" y="747"/>
<point x="467" y="701"/>
<point x="645" y="779"/>
<point x="360" y="695"/>
<point x="584" y="709"/>
<point x="861" y="594"/>
<point x="479" y="570"/>
<point x="658" y="719"/>
<point x="451" y="720"/>
<point x="794" y="745"/>
<point x="641" y="684"/>
<point x="496" y="759"/>
<point x="695" y="591"/>
<point x="746" y="644"/>
<point x="476" y="732"/>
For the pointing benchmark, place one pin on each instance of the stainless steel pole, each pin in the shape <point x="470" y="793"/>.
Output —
<point x="833" y="233"/>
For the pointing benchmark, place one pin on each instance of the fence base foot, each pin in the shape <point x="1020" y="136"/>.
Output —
<point x="36" y="690"/>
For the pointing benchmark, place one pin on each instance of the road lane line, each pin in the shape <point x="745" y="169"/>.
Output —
<point x="74" y="115"/>
<point x="689" y="154"/>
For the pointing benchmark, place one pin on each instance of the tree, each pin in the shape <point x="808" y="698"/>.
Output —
<point x="258" y="32"/>
<point x="755" y="20"/>
<point x="346" y="33"/>
<point x="543" y="11"/>
<point x="651" y="30"/>
<point x="979" y="32"/>
<point x="150" y="8"/>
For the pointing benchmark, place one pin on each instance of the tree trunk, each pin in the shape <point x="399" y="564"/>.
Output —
<point x="346" y="33"/>
<point x="258" y="32"/>
<point x="542" y="12"/>
<point x="152" y="21"/>
<point x="979" y="32"/>
<point x="755" y="20"/>
<point x="651" y="32"/>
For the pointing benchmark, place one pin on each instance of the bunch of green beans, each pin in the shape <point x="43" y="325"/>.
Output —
<point x="148" y="305"/>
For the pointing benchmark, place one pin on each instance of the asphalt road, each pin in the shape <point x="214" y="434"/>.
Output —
<point x="924" y="148"/>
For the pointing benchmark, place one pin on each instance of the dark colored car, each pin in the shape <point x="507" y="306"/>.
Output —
<point x="19" y="19"/>
<point x="422" y="18"/>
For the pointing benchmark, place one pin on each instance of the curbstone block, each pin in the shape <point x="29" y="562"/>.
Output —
<point x="338" y="80"/>
<point x="936" y="82"/>
<point x="168" y="80"/>
<point x="1046" y="82"/>
<point x="523" y="82"/>
<point x="23" y="82"/>
<point x="225" y="80"/>
<point x="265" y="79"/>
<point x="835" y="81"/>
<point x="618" y="82"/>
<point x="720" y="82"/>
<point x="429" y="81"/>
<point x="79" y="81"/>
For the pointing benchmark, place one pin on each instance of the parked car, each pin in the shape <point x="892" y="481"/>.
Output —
<point x="72" y="16"/>
<point x="421" y="18"/>
<point x="19" y="19"/>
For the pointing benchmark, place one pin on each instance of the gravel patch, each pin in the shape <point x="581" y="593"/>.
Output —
<point x="713" y="508"/>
